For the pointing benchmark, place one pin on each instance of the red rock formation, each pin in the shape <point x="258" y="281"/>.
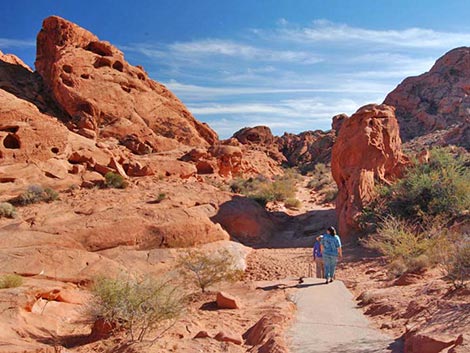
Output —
<point x="105" y="96"/>
<point x="436" y="99"/>
<point x="307" y="148"/>
<point x="368" y="149"/>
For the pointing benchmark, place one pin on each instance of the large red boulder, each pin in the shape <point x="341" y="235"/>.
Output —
<point x="105" y="96"/>
<point x="435" y="100"/>
<point x="367" y="150"/>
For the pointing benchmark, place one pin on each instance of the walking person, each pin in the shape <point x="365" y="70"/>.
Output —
<point x="331" y="251"/>
<point x="318" y="258"/>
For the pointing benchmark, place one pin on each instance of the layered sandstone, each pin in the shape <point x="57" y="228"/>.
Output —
<point x="435" y="100"/>
<point x="105" y="96"/>
<point x="367" y="150"/>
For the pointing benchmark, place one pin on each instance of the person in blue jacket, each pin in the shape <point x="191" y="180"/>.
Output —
<point x="331" y="250"/>
<point x="318" y="258"/>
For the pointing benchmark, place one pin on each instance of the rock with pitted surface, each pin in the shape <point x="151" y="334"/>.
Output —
<point x="367" y="150"/>
<point x="105" y="96"/>
<point x="435" y="100"/>
<point x="306" y="149"/>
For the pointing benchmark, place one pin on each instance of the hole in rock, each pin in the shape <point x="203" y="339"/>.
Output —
<point x="12" y="142"/>
<point x="127" y="89"/>
<point x="54" y="150"/>
<point x="13" y="128"/>
<point x="141" y="76"/>
<point x="99" y="48"/>
<point x="118" y="66"/>
<point x="67" y="81"/>
<point x="85" y="76"/>
<point x="85" y="107"/>
<point x="102" y="62"/>
<point x="67" y="69"/>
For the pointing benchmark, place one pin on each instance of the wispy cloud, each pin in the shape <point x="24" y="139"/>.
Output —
<point x="326" y="31"/>
<point x="16" y="43"/>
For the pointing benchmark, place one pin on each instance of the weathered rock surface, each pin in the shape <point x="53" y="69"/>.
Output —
<point x="226" y="301"/>
<point x="105" y="96"/>
<point x="368" y="149"/>
<point x="436" y="99"/>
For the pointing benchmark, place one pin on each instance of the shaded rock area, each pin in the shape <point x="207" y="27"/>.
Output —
<point x="368" y="149"/>
<point x="435" y="100"/>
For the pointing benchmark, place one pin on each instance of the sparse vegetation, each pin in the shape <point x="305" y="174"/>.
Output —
<point x="439" y="188"/>
<point x="455" y="259"/>
<point x="292" y="203"/>
<point x="207" y="269"/>
<point x="406" y="247"/>
<point x="36" y="194"/>
<point x="10" y="281"/>
<point x="322" y="182"/>
<point x="264" y="190"/>
<point x="138" y="308"/>
<point x="7" y="210"/>
<point x="114" y="180"/>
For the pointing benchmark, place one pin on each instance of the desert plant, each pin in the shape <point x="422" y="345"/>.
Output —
<point x="35" y="194"/>
<point x="292" y="203"/>
<point x="138" y="307"/>
<point x="7" y="210"/>
<point x="207" y="269"/>
<point x="10" y="281"/>
<point x="114" y="180"/>
<point x="407" y="247"/>
<point x="454" y="256"/>
<point x="439" y="188"/>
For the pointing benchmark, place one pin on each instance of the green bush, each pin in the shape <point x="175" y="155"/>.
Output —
<point x="10" y="281"/>
<point x="36" y="194"/>
<point x="7" y="210"/>
<point x="206" y="269"/>
<point x="114" y="180"/>
<point x="455" y="258"/>
<point x="406" y="247"/>
<point x="439" y="188"/>
<point x="138" y="308"/>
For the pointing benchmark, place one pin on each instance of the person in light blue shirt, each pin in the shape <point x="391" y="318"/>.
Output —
<point x="331" y="250"/>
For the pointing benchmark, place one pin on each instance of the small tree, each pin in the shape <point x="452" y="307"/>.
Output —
<point x="208" y="269"/>
<point x="137" y="307"/>
<point x="114" y="180"/>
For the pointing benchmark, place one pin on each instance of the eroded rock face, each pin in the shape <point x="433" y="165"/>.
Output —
<point x="367" y="150"/>
<point x="436" y="99"/>
<point x="307" y="148"/>
<point x="105" y="96"/>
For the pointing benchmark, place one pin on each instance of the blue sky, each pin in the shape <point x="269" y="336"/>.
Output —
<point x="290" y="65"/>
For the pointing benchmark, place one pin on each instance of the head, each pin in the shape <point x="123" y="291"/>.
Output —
<point x="319" y="238"/>
<point x="331" y="231"/>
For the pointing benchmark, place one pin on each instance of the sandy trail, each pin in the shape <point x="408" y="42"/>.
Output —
<point x="328" y="320"/>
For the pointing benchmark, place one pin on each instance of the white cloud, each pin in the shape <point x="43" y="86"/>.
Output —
<point x="16" y="43"/>
<point x="326" y="31"/>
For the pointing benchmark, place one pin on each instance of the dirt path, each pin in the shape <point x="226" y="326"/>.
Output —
<point x="328" y="320"/>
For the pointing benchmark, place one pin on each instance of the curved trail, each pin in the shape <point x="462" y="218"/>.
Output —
<point x="328" y="320"/>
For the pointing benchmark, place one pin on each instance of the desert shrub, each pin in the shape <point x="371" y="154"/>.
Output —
<point x="330" y="194"/>
<point x="10" y="281"/>
<point x="439" y="188"/>
<point x="36" y="194"/>
<point x="7" y="210"/>
<point x="207" y="269"/>
<point x="407" y="247"/>
<point x="321" y="177"/>
<point x="137" y="307"/>
<point x="455" y="259"/>
<point x="292" y="203"/>
<point x="264" y="190"/>
<point x="114" y="180"/>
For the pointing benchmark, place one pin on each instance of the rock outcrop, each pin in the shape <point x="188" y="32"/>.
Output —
<point x="435" y="100"/>
<point x="104" y="96"/>
<point x="367" y="150"/>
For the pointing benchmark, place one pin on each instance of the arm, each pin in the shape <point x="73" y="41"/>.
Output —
<point x="340" y="252"/>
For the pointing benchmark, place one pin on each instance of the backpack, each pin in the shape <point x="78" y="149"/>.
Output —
<point x="330" y="244"/>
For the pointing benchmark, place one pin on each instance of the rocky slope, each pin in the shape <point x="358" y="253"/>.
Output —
<point x="435" y="100"/>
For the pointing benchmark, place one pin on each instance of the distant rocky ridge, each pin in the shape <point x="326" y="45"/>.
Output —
<point x="436" y="100"/>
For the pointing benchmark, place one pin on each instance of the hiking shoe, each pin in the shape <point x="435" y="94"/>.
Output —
<point x="326" y="282"/>
<point x="331" y="280"/>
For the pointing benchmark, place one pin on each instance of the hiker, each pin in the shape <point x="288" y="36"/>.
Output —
<point x="331" y="250"/>
<point x="318" y="258"/>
